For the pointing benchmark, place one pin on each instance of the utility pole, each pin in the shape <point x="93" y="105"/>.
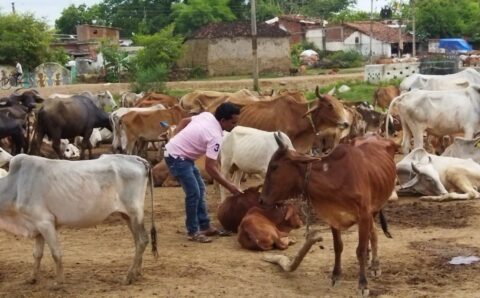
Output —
<point x="371" y="30"/>
<point x="13" y="7"/>
<point x="254" y="45"/>
<point x="414" y="46"/>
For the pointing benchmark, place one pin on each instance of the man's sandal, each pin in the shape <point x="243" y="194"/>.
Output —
<point x="199" y="237"/>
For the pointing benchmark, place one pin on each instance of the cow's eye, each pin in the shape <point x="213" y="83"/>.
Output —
<point x="273" y="167"/>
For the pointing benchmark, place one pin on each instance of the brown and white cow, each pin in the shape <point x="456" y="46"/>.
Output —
<point x="299" y="121"/>
<point x="268" y="228"/>
<point x="349" y="186"/>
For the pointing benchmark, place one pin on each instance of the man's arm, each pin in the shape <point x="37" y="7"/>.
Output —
<point x="183" y="123"/>
<point x="212" y="170"/>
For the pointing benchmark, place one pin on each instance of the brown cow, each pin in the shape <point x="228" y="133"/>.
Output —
<point x="151" y="99"/>
<point x="268" y="228"/>
<point x="300" y="121"/>
<point x="162" y="177"/>
<point x="231" y="211"/>
<point x="295" y="94"/>
<point x="349" y="186"/>
<point x="145" y="125"/>
<point x="383" y="96"/>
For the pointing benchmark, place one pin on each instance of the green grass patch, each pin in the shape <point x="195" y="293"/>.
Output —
<point x="359" y="90"/>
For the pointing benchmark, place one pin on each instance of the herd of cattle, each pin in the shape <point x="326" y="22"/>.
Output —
<point x="337" y="155"/>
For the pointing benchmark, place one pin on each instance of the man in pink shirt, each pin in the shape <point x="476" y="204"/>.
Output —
<point x="194" y="137"/>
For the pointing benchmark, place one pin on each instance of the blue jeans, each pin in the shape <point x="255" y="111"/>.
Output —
<point x="187" y="174"/>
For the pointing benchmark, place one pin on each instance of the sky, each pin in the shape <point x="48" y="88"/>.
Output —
<point x="51" y="9"/>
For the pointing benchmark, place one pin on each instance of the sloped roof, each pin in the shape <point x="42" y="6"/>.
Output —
<point x="238" y="29"/>
<point x="380" y="31"/>
<point x="301" y="19"/>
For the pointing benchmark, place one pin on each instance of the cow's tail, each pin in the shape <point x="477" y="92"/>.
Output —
<point x="153" y="230"/>
<point x="387" y="119"/>
<point x="384" y="225"/>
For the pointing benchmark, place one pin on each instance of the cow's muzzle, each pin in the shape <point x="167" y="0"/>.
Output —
<point x="343" y="125"/>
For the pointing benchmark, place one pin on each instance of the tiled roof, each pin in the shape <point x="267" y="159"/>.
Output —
<point x="301" y="19"/>
<point x="380" y="31"/>
<point x="238" y="29"/>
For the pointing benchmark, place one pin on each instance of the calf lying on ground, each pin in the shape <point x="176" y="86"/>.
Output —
<point x="231" y="211"/>
<point x="268" y="228"/>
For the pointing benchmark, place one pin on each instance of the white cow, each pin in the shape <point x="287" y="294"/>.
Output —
<point x="98" y="136"/>
<point x="438" y="112"/>
<point x="459" y="80"/>
<point x="247" y="150"/>
<point x="119" y="138"/>
<point x="41" y="194"/>
<point x="464" y="148"/>
<point x="101" y="99"/>
<point x="439" y="177"/>
<point x="4" y="159"/>
<point x="129" y="99"/>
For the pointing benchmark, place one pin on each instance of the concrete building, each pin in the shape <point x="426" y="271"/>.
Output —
<point x="226" y="49"/>
<point x="356" y="36"/>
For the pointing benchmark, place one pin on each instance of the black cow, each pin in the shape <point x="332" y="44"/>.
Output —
<point x="11" y="128"/>
<point x="66" y="118"/>
<point x="27" y="98"/>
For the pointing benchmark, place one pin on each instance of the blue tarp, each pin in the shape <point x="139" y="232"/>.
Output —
<point x="454" y="45"/>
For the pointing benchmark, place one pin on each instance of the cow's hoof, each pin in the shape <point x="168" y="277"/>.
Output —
<point x="335" y="281"/>
<point x="376" y="272"/>
<point x="363" y="292"/>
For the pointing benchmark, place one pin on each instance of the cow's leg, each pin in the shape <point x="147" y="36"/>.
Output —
<point x="468" y="132"/>
<point x="47" y="229"/>
<point x="37" y="257"/>
<point x="375" y="266"/>
<point x="364" y="230"/>
<point x="86" y="144"/>
<point x="56" y="147"/>
<point x="338" y="248"/>
<point x="406" y="136"/>
<point x="418" y="137"/>
<point x="140" y="238"/>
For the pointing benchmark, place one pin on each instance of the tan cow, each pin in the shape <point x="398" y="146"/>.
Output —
<point x="145" y="125"/>
<point x="299" y="121"/>
<point x="383" y="96"/>
<point x="151" y="99"/>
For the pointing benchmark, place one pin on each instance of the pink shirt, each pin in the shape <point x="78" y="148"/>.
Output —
<point x="203" y="135"/>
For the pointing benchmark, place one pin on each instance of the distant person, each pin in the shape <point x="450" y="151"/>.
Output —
<point x="18" y="71"/>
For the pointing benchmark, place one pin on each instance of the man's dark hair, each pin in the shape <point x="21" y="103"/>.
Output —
<point x="225" y="111"/>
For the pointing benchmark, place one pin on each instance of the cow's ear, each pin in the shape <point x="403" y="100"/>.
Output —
<point x="258" y="188"/>
<point x="415" y="169"/>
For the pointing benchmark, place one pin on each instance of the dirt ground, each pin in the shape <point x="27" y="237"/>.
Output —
<point x="414" y="263"/>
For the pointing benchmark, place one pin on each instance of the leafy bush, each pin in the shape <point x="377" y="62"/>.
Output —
<point x="58" y="55"/>
<point x="150" y="79"/>
<point x="298" y="48"/>
<point x="344" y="59"/>
<point x="114" y="60"/>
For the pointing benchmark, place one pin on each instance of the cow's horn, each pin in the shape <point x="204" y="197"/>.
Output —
<point x="317" y="93"/>
<point x="273" y="90"/>
<point x="415" y="169"/>
<point x="279" y="139"/>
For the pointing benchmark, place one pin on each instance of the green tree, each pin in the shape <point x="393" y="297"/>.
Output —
<point x="348" y="15"/>
<point x="444" y="18"/>
<point x="25" y="38"/>
<point x="151" y="64"/>
<point x="191" y="15"/>
<point x="325" y="8"/>
<point x="267" y="9"/>
<point x="114" y="60"/>
<point x="77" y="15"/>
<point x="137" y="16"/>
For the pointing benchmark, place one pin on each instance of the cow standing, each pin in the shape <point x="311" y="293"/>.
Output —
<point x="349" y="186"/>
<point x="299" y="121"/>
<point x="39" y="195"/>
<point x="439" y="112"/>
<point x="66" y="118"/>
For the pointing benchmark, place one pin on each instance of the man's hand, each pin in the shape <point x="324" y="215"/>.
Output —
<point x="234" y="189"/>
<point x="212" y="170"/>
